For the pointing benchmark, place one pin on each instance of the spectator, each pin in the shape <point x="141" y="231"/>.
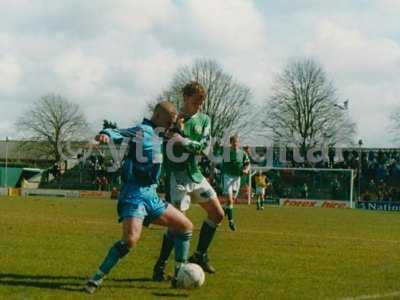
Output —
<point x="381" y="173"/>
<point x="335" y="188"/>
<point x="331" y="156"/>
<point x="55" y="171"/>
<point x="304" y="191"/>
<point x="366" y="196"/>
<point x="114" y="193"/>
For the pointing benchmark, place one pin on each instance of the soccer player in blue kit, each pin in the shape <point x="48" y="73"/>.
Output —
<point x="138" y="203"/>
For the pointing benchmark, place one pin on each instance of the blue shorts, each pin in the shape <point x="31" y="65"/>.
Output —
<point x="140" y="202"/>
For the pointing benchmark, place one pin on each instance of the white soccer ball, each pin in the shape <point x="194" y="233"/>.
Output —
<point x="190" y="276"/>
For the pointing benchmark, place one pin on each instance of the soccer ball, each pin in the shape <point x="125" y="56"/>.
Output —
<point x="190" y="276"/>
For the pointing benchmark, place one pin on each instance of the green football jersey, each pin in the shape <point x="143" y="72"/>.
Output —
<point x="197" y="132"/>
<point x="238" y="159"/>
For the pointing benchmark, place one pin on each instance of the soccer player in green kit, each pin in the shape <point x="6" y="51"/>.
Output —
<point x="234" y="165"/>
<point x="184" y="180"/>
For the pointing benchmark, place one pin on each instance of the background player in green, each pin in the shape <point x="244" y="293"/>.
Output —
<point x="234" y="164"/>
<point x="138" y="202"/>
<point x="184" y="180"/>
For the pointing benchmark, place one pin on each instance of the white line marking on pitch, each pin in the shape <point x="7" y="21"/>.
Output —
<point x="378" y="296"/>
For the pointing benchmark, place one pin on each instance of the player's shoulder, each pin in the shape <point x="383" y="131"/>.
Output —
<point x="243" y="153"/>
<point x="146" y="127"/>
<point x="145" y="131"/>
<point x="203" y="117"/>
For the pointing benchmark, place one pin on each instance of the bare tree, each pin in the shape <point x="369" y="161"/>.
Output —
<point x="51" y="124"/>
<point x="227" y="101"/>
<point x="304" y="111"/>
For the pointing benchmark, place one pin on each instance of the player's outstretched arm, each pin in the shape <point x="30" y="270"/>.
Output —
<point x="116" y="135"/>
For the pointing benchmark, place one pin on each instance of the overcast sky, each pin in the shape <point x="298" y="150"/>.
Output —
<point x="112" y="56"/>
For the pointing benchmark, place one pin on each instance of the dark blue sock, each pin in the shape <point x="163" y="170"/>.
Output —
<point x="116" y="252"/>
<point x="207" y="233"/>
<point x="166" y="247"/>
<point x="229" y="212"/>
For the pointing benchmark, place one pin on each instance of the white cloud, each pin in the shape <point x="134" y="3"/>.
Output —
<point x="113" y="56"/>
<point x="366" y="70"/>
<point x="5" y="128"/>
<point x="232" y="26"/>
<point x="10" y="73"/>
<point x="141" y="15"/>
<point x="235" y="33"/>
<point x="388" y="5"/>
<point x="79" y="72"/>
<point x="349" y="50"/>
<point x="370" y="107"/>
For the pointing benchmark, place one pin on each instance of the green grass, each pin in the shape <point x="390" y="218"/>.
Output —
<point x="48" y="248"/>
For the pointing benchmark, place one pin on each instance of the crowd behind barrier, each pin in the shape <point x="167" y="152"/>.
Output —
<point x="379" y="181"/>
<point x="376" y="174"/>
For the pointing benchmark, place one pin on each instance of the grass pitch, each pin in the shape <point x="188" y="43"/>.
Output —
<point x="49" y="247"/>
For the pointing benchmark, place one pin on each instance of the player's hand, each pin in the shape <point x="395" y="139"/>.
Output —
<point x="246" y="170"/>
<point x="177" y="138"/>
<point x="169" y="134"/>
<point x="102" y="138"/>
<point x="180" y="122"/>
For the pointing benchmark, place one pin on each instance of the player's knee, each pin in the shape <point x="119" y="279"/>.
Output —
<point x="122" y="248"/>
<point x="185" y="226"/>
<point x="188" y="226"/>
<point x="217" y="216"/>
<point x="131" y="240"/>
